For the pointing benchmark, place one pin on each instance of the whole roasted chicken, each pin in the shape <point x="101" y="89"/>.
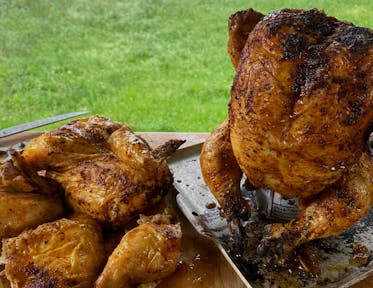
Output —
<point x="105" y="170"/>
<point x="300" y="113"/>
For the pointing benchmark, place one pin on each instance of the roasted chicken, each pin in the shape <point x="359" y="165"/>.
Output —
<point x="105" y="170"/>
<point x="100" y="170"/>
<point x="147" y="253"/>
<point x="300" y="112"/>
<point x="240" y="25"/>
<point x="63" y="253"/>
<point x="328" y="214"/>
<point x="26" y="199"/>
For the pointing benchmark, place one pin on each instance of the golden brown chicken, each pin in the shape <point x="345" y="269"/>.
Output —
<point x="147" y="253"/>
<point x="328" y="214"/>
<point x="26" y="199"/>
<point x="301" y="102"/>
<point x="21" y="211"/>
<point x="105" y="170"/>
<point x="60" y="254"/>
<point x="220" y="169"/>
<point x="300" y="110"/>
<point x="16" y="175"/>
<point x="240" y="25"/>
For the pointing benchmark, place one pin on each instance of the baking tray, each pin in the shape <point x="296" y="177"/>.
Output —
<point x="335" y="254"/>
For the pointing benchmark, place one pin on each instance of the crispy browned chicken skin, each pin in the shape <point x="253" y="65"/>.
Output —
<point x="26" y="199"/>
<point x="301" y="106"/>
<point x="328" y="214"/>
<point x="147" y="253"/>
<point x="106" y="170"/>
<point x="301" y="102"/>
<point x="240" y="25"/>
<point x="60" y="254"/>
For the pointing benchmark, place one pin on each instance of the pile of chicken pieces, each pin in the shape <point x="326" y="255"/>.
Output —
<point x="300" y="114"/>
<point x="71" y="186"/>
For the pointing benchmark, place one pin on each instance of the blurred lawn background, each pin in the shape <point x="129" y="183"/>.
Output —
<point x="156" y="65"/>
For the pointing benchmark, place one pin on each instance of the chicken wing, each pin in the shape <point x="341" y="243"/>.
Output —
<point x="60" y="254"/>
<point x="240" y="24"/>
<point x="16" y="175"/>
<point x="147" y="253"/>
<point x="106" y="170"/>
<point x="82" y="136"/>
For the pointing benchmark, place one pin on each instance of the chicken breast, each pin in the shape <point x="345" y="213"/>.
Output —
<point x="60" y="254"/>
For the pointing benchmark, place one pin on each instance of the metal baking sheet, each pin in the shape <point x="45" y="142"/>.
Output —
<point x="335" y="254"/>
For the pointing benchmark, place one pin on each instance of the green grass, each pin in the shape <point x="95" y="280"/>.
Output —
<point x="155" y="65"/>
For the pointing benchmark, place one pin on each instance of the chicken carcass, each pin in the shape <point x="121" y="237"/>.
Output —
<point x="147" y="253"/>
<point x="105" y="170"/>
<point x="63" y="253"/>
<point x="300" y="111"/>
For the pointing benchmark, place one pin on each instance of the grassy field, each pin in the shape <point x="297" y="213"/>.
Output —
<point x="156" y="65"/>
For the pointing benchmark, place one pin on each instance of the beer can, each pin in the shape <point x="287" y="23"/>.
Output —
<point x="273" y="205"/>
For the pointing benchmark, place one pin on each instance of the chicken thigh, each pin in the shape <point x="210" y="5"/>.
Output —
<point x="328" y="214"/>
<point x="300" y="111"/>
<point x="105" y="170"/>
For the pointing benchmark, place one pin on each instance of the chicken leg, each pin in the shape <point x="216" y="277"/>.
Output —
<point x="333" y="211"/>
<point x="218" y="164"/>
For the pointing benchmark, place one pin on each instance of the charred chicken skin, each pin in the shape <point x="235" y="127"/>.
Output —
<point x="300" y="112"/>
<point x="105" y="170"/>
